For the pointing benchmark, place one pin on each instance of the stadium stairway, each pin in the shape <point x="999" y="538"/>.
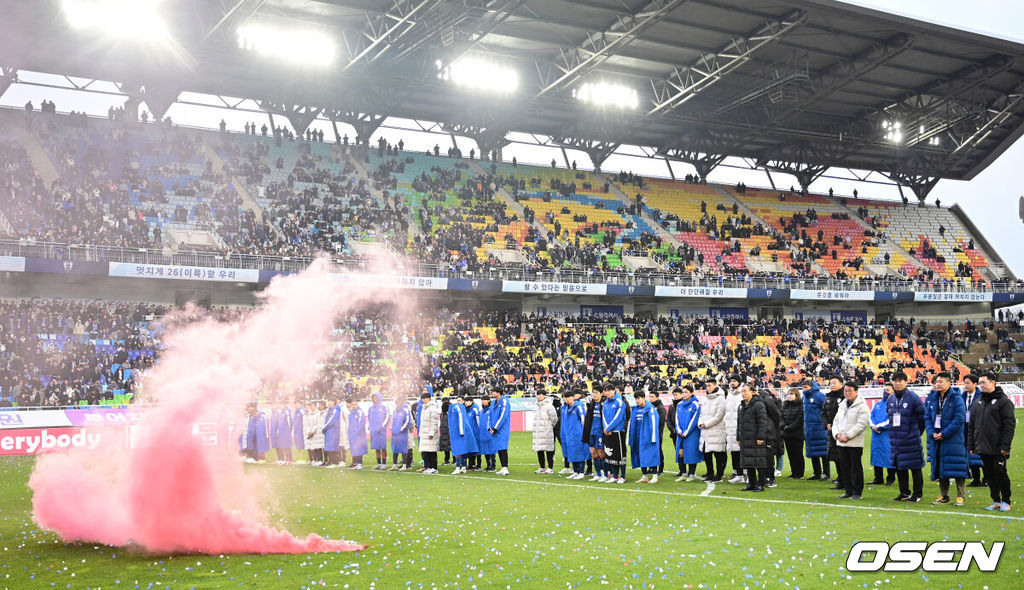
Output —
<point x="891" y="241"/>
<point x="512" y="203"/>
<point x="243" y="193"/>
<point x="37" y="154"/>
<point x="665" y="235"/>
<point x="756" y="218"/>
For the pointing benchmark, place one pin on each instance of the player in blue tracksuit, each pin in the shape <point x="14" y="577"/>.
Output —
<point x="332" y="434"/>
<point x="401" y="425"/>
<point x="473" y="417"/>
<point x="645" y="438"/>
<point x="356" y="433"/>
<point x="613" y="425"/>
<point x="593" y="433"/>
<point x="257" y="435"/>
<point x="685" y="421"/>
<point x="281" y="433"/>
<point x="501" y="416"/>
<point x="484" y="438"/>
<point x="881" y="460"/>
<point x="573" y="416"/>
<point x="298" y="437"/>
<point x="378" y="416"/>
<point x="460" y="433"/>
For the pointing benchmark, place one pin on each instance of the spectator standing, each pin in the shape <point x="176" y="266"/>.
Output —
<point x="815" y="435"/>
<point x="970" y="393"/>
<point x="906" y="419"/>
<point x="944" y="421"/>
<point x="713" y="431"/>
<point x="990" y="437"/>
<point x="881" y="458"/>
<point x="849" y="426"/>
<point x="793" y="432"/>
<point x="544" y="419"/>
<point x="752" y="433"/>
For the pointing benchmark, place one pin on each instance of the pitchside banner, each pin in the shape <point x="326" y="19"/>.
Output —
<point x="708" y="292"/>
<point x="832" y="295"/>
<point x="391" y="281"/>
<point x="955" y="297"/>
<point x="555" y="288"/>
<point x="183" y="273"/>
<point x="12" y="264"/>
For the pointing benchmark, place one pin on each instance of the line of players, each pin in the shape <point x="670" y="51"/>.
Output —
<point x="336" y="434"/>
<point x="604" y="435"/>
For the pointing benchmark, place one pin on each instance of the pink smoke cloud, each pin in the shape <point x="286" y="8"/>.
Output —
<point x="172" y="494"/>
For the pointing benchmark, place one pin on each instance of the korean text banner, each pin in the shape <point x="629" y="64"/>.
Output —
<point x="183" y="273"/>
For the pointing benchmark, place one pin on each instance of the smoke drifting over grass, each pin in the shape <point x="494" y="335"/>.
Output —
<point x="172" y="494"/>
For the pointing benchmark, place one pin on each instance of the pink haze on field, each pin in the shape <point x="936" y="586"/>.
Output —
<point x="171" y="493"/>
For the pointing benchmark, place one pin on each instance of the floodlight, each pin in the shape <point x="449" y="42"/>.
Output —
<point x="605" y="94"/>
<point x="137" y="19"/>
<point x="297" y="46"/>
<point x="480" y="74"/>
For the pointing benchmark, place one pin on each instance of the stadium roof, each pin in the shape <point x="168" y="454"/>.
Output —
<point x="793" y="85"/>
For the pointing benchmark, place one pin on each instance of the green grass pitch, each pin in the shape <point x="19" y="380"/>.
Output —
<point x="535" y="531"/>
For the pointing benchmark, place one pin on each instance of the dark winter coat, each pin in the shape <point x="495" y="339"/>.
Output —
<point x="828" y="415"/>
<point x="949" y="455"/>
<point x="814" y="429"/>
<point x="752" y="425"/>
<point x="992" y="424"/>
<point x="773" y="408"/>
<point x="446" y="441"/>
<point x="905" y="438"/>
<point x="792" y="417"/>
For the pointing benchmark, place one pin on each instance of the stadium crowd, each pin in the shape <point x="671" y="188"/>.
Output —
<point x="129" y="185"/>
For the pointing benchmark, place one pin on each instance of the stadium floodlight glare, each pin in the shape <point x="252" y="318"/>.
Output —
<point x="135" y="19"/>
<point x="604" y="94"/>
<point x="298" y="46"/>
<point x="480" y="74"/>
<point x="893" y="131"/>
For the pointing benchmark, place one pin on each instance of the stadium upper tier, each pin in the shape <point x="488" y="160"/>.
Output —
<point x="77" y="181"/>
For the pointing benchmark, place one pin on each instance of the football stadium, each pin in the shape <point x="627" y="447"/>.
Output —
<point x="509" y="293"/>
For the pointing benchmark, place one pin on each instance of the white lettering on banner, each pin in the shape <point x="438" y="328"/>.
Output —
<point x="391" y="281"/>
<point x="33" y="419"/>
<point x="12" y="264"/>
<point x="825" y="295"/>
<point x="909" y="556"/>
<point x="32" y="441"/>
<point x="958" y="297"/>
<point x="712" y="292"/>
<point x="186" y="273"/>
<point x="554" y="288"/>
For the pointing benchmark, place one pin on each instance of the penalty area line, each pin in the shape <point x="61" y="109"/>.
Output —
<point x="706" y="493"/>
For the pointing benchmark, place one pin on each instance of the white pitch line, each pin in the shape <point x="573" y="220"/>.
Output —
<point x="733" y="498"/>
<point x="707" y="491"/>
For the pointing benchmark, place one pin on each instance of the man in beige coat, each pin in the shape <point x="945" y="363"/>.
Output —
<point x="849" y="426"/>
<point x="544" y="419"/>
<point x="430" y="433"/>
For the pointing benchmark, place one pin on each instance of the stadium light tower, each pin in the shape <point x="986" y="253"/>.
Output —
<point x="479" y="74"/>
<point x="298" y="46"/>
<point x="605" y="94"/>
<point x="133" y="19"/>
